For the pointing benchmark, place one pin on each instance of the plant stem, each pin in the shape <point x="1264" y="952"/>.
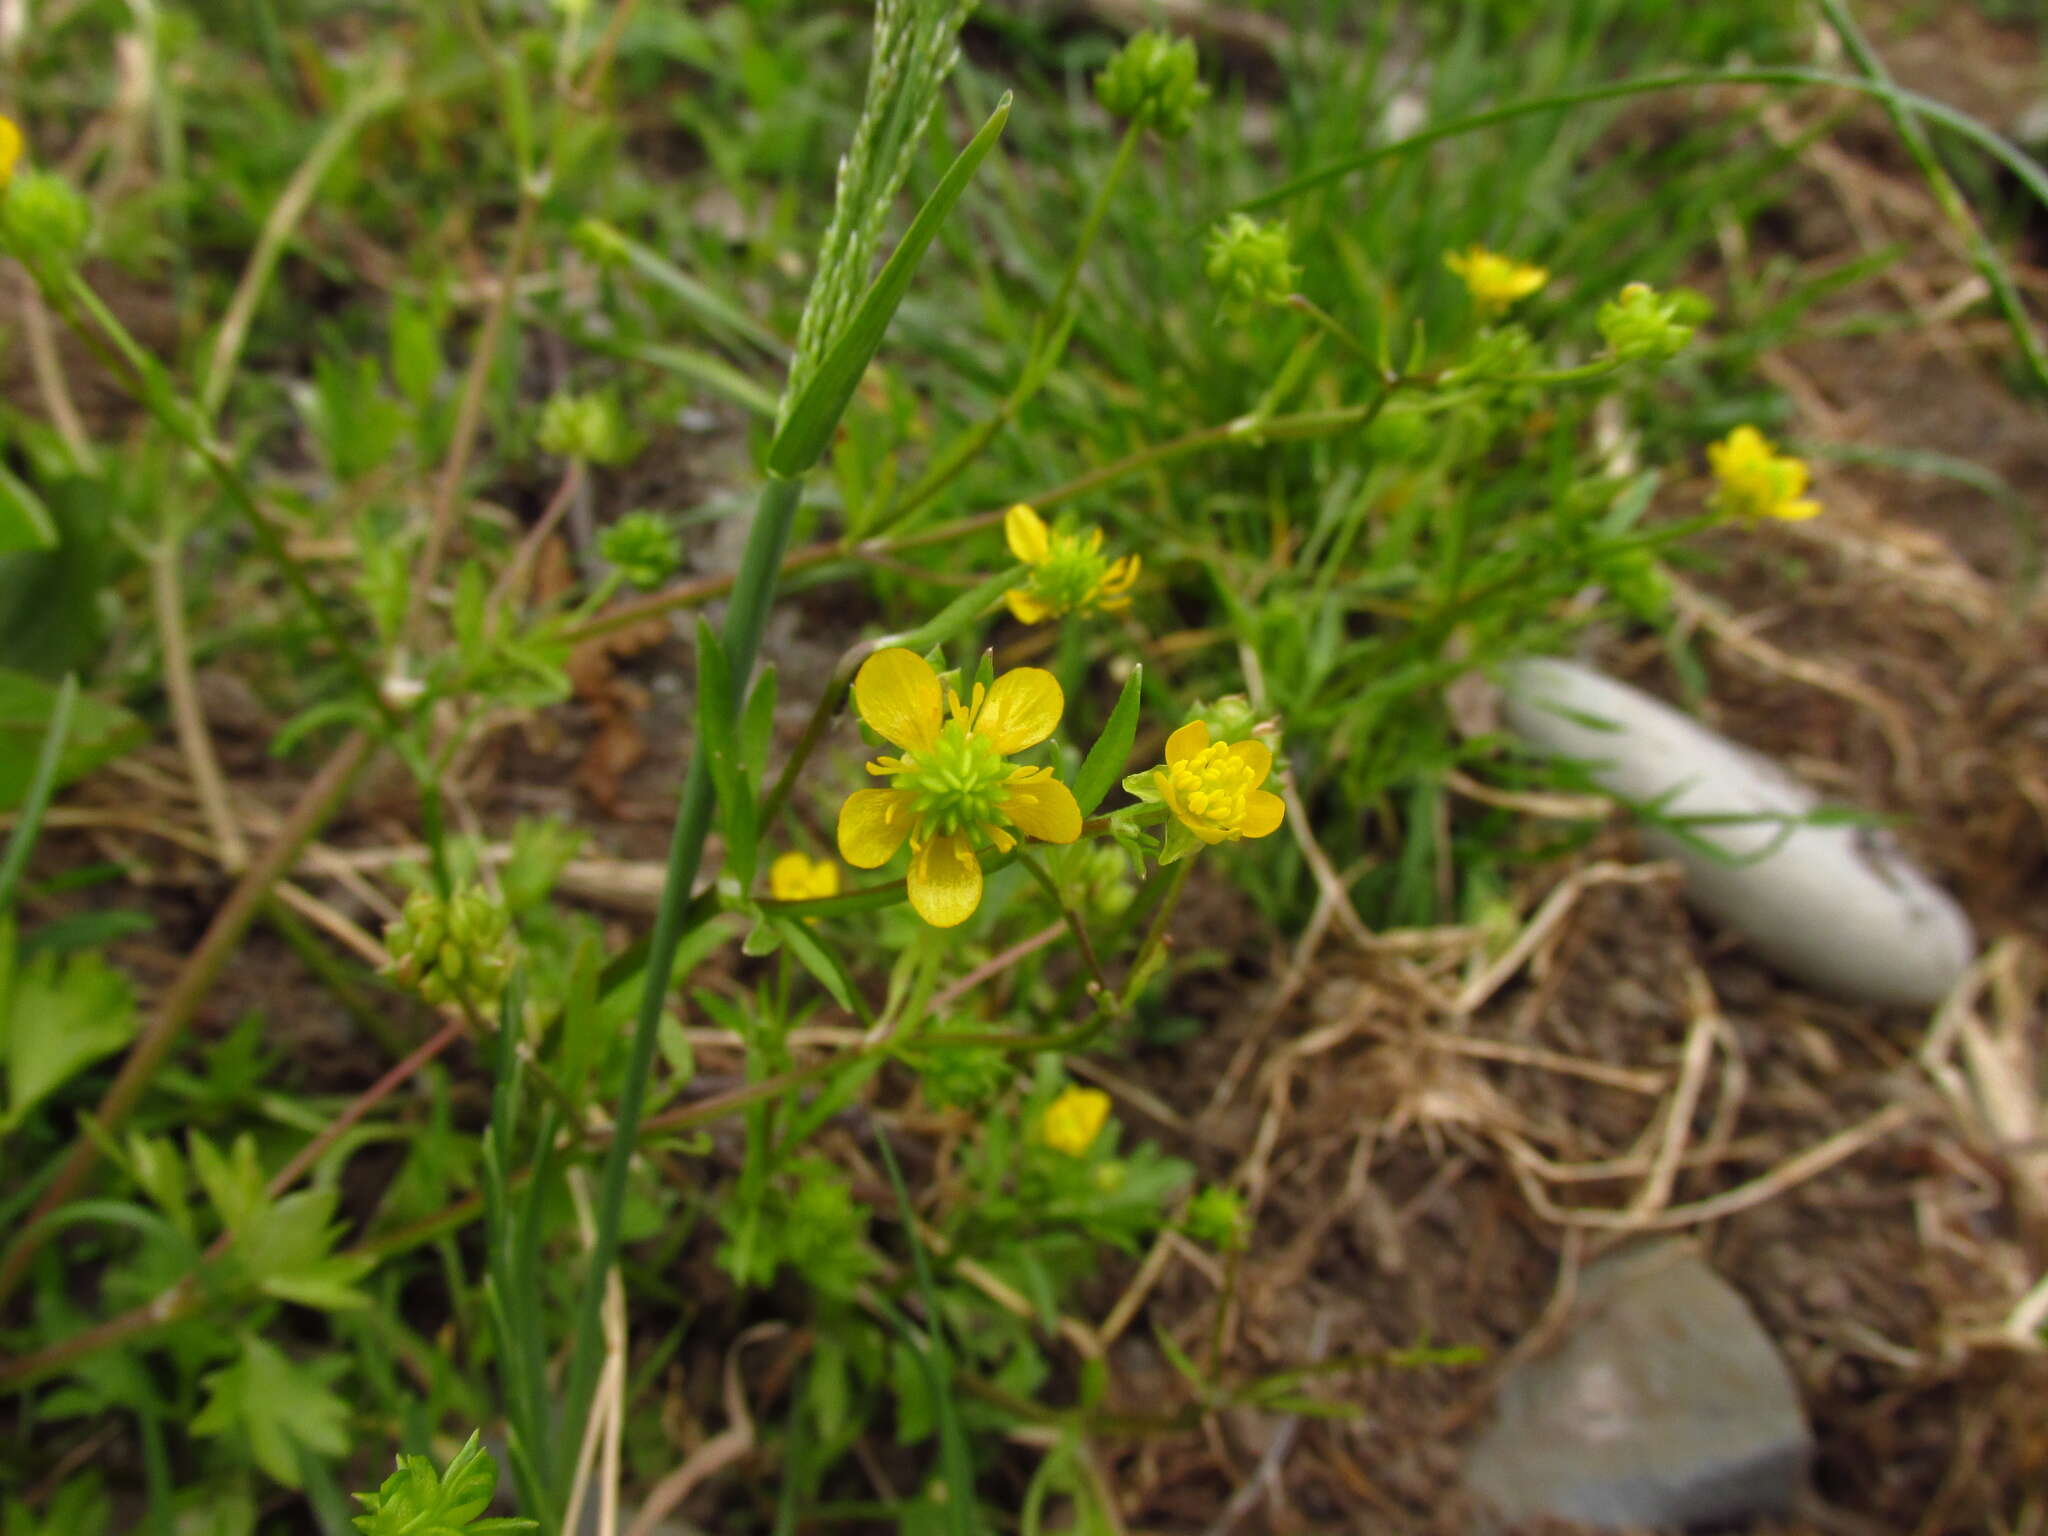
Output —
<point x="167" y="598"/>
<point x="1070" y="917"/>
<point x="744" y="620"/>
<point x="1155" y="936"/>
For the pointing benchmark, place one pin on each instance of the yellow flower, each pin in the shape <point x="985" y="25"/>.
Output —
<point x="1756" y="482"/>
<point x="1073" y="1120"/>
<point x="1496" y="282"/>
<point x="798" y="877"/>
<point x="952" y="785"/>
<point x="1214" y="789"/>
<point x="10" y="150"/>
<point x="1068" y="571"/>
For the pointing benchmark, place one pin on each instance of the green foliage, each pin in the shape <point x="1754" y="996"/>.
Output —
<point x="416" y="1500"/>
<point x="1348" y="487"/>
<point x="58" y="1015"/>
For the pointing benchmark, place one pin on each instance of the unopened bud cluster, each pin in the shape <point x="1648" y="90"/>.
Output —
<point x="642" y="548"/>
<point x="1153" y="82"/>
<point x="1641" y="324"/>
<point x="586" y="427"/>
<point x="1251" y="264"/>
<point x="458" y="950"/>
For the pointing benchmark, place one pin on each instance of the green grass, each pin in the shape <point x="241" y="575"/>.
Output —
<point x="258" y="1291"/>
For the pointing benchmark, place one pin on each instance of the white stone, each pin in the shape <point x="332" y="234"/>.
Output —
<point x="1837" y="908"/>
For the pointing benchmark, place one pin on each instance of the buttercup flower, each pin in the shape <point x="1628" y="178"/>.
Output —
<point x="1755" y="481"/>
<point x="1496" y="282"/>
<point x="1069" y="573"/>
<point x="1073" y="1120"/>
<point x="798" y="877"/>
<point x="10" y="150"/>
<point x="1214" y="787"/>
<point x="952" y="785"/>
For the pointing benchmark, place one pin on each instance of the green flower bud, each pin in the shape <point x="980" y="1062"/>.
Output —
<point x="643" y="548"/>
<point x="1230" y="718"/>
<point x="963" y="1076"/>
<point x="587" y="427"/>
<point x="1152" y="82"/>
<point x="455" y="950"/>
<point x="1248" y="263"/>
<point x="1216" y="1219"/>
<point x="1641" y="324"/>
<point x="1400" y="435"/>
<point x="43" y="218"/>
<point x="1505" y="352"/>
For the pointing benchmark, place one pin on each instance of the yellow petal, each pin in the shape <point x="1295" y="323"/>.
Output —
<point x="1027" y="607"/>
<point x="1021" y="710"/>
<point x="1256" y="756"/>
<point x="1795" y="511"/>
<point x="945" y="881"/>
<point x="789" y="877"/>
<point x="1187" y="741"/>
<point x="1044" y="808"/>
<point x="898" y="695"/>
<point x="10" y="149"/>
<point x="1026" y="534"/>
<point x="872" y="826"/>
<point x="1263" y="812"/>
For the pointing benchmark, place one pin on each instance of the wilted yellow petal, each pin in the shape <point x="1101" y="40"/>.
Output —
<point x="1257" y="758"/>
<point x="1041" y="806"/>
<point x="872" y="826"/>
<point x="1026" y="534"/>
<point x="945" y="881"/>
<point x="1263" y="812"/>
<point x="1187" y="741"/>
<point x="898" y="695"/>
<point x="1021" y="710"/>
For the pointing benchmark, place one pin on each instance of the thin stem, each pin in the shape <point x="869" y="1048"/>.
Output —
<point x="744" y="620"/>
<point x="284" y="217"/>
<point x="1239" y="429"/>
<point x="188" y="716"/>
<point x="1049" y="339"/>
<point x="469" y="415"/>
<point x="48" y="367"/>
<point x="1070" y="917"/>
<point x="1155" y="936"/>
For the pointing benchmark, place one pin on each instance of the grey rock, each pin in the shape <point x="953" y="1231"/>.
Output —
<point x="1663" y="1405"/>
<point x="1838" y="908"/>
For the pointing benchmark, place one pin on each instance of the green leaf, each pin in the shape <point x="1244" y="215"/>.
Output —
<point x="287" y="1251"/>
<point x="233" y="1183"/>
<point x="1112" y="748"/>
<point x="818" y="960"/>
<point x="757" y="724"/>
<point x="25" y="523"/>
<point x="275" y="1406"/>
<point x="100" y="732"/>
<point x="58" y="1015"/>
<point x="808" y="431"/>
<point x="716" y="697"/>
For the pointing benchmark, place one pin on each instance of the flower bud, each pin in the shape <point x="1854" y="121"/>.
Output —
<point x="43" y="218"/>
<point x="1153" y="82"/>
<point x="643" y="548"/>
<point x="458" y="950"/>
<point x="1641" y="324"/>
<point x="587" y="427"/>
<point x="1249" y="263"/>
<point x="1216" y="1219"/>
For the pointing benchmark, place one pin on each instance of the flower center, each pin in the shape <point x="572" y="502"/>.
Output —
<point x="957" y="782"/>
<point x="1213" y="786"/>
<point x="1071" y="572"/>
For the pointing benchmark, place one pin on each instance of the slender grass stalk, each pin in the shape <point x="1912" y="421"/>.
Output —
<point x="42" y="785"/>
<point x="741" y="637"/>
